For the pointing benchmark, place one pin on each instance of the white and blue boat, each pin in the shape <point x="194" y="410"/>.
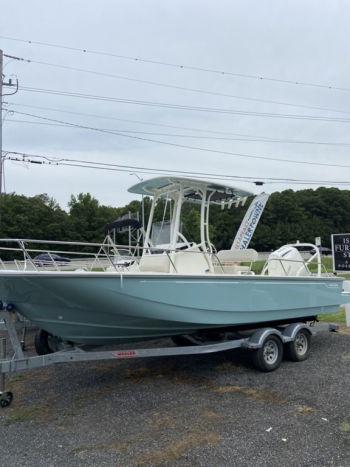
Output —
<point x="179" y="288"/>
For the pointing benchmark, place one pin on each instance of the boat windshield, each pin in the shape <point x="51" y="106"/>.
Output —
<point x="160" y="234"/>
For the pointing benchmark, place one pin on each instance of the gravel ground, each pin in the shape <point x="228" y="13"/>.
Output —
<point x="213" y="410"/>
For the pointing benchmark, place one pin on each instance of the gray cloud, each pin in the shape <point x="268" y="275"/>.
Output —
<point x="292" y="40"/>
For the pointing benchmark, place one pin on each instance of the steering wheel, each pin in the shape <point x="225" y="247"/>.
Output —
<point x="184" y="239"/>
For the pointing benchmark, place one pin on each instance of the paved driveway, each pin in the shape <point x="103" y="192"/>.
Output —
<point x="211" y="410"/>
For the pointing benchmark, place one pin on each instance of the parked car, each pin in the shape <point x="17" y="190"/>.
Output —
<point x="44" y="259"/>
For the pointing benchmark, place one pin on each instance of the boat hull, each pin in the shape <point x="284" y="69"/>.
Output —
<point x="95" y="308"/>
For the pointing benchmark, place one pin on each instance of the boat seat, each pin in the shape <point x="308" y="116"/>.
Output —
<point x="191" y="261"/>
<point x="228" y="261"/>
<point x="154" y="263"/>
<point x="237" y="256"/>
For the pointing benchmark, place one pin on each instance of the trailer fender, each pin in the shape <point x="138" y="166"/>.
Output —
<point x="292" y="330"/>
<point x="258" y="338"/>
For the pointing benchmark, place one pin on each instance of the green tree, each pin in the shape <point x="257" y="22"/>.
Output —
<point x="289" y="216"/>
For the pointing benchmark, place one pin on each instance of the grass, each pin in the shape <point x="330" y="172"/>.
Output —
<point x="35" y="413"/>
<point x="338" y="318"/>
<point x="345" y="427"/>
<point x="252" y="393"/>
<point x="178" y="448"/>
<point x="257" y="266"/>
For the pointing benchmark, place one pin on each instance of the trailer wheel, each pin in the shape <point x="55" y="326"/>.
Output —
<point x="6" y="399"/>
<point x="46" y="343"/>
<point x="41" y="343"/>
<point x="269" y="356"/>
<point x="298" y="350"/>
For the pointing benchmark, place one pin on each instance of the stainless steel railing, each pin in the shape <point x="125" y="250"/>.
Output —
<point x="110" y="256"/>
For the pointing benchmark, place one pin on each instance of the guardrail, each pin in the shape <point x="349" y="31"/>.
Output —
<point x="108" y="255"/>
<point x="101" y="256"/>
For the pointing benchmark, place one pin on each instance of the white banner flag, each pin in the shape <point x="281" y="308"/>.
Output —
<point x="249" y="223"/>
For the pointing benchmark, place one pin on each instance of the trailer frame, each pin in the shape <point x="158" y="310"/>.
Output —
<point x="20" y="360"/>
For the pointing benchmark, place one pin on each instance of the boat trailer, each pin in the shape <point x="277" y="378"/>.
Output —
<point x="266" y="344"/>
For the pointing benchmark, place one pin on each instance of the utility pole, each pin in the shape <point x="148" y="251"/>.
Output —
<point x="1" y="158"/>
<point x="10" y="84"/>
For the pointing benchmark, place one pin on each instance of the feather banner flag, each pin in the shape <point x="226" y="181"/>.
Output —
<point x="250" y="222"/>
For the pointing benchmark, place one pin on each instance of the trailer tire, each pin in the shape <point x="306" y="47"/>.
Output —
<point x="46" y="343"/>
<point x="6" y="399"/>
<point x="299" y="348"/>
<point x="269" y="356"/>
<point x="41" y="343"/>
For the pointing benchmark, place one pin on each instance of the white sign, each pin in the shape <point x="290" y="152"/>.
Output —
<point x="250" y="222"/>
<point x="318" y="241"/>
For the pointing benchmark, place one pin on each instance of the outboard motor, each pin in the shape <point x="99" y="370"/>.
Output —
<point x="287" y="261"/>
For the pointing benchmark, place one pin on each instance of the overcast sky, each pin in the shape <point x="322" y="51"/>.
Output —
<point x="298" y="40"/>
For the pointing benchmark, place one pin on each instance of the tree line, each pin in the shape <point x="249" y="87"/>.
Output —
<point x="289" y="216"/>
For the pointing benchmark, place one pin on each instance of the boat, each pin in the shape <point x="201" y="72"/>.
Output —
<point x="173" y="289"/>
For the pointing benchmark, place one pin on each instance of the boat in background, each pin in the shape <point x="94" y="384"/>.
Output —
<point x="178" y="288"/>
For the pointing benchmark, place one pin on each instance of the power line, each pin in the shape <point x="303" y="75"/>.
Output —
<point x="183" y="146"/>
<point x="175" y="135"/>
<point x="57" y="160"/>
<point x="51" y="160"/>
<point x="117" y="167"/>
<point x="91" y="166"/>
<point x="20" y="59"/>
<point x="184" y="107"/>
<point x="245" y="136"/>
<point x="182" y="66"/>
<point x="181" y="88"/>
<point x="142" y="122"/>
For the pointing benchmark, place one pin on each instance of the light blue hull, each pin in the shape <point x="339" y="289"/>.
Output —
<point x="99" y="308"/>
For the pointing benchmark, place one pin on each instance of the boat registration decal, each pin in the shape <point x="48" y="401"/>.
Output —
<point x="125" y="354"/>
